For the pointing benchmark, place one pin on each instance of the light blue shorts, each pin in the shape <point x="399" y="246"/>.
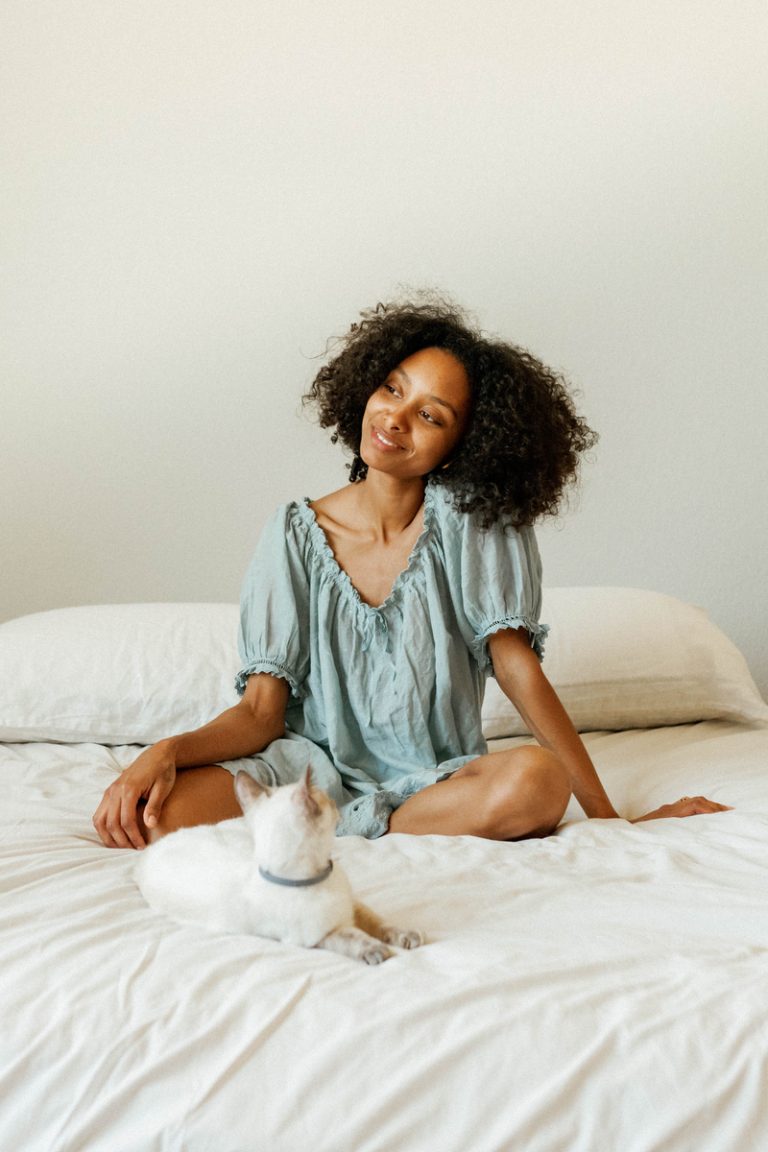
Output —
<point x="366" y="813"/>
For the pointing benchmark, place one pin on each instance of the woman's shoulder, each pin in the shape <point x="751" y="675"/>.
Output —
<point x="332" y="512"/>
<point x="285" y="515"/>
<point x="443" y="509"/>
<point x="300" y="530"/>
<point x="334" y="503"/>
<point x="287" y="529"/>
<point x="445" y="519"/>
<point x="478" y="556"/>
<point x="284" y="552"/>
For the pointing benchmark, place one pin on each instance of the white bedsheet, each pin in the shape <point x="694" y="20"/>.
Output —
<point x="604" y="989"/>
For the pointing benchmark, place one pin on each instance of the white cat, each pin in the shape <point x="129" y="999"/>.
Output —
<point x="268" y="874"/>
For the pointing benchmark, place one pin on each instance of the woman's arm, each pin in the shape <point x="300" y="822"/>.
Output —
<point x="519" y="673"/>
<point x="520" y="676"/>
<point x="243" y="730"/>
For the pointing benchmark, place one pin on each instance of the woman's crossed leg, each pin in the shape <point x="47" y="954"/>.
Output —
<point x="511" y="795"/>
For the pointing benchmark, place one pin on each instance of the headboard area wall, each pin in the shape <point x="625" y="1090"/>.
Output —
<point x="198" y="196"/>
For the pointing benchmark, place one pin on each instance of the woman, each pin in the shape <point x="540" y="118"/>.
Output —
<point x="371" y="617"/>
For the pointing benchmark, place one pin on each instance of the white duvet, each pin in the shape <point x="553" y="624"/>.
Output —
<point x="603" y="990"/>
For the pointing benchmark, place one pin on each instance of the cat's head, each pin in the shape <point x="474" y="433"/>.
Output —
<point x="298" y="811"/>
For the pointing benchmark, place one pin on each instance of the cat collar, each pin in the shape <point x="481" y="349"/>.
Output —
<point x="318" y="879"/>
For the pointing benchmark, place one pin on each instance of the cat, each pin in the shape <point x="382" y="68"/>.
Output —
<point x="268" y="873"/>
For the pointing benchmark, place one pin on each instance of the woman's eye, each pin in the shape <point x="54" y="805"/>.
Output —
<point x="432" y="419"/>
<point x="389" y="388"/>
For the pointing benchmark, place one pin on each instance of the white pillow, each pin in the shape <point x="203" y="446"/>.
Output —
<point x="117" y="674"/>
<point x="627" y="658"/>
<point x="134" y="673"/>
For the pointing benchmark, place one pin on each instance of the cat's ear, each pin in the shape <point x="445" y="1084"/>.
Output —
<point x="248" y="790"/>
<point x="303" y="797"/>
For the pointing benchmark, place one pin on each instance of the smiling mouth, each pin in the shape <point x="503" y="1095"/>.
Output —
<point x="383" y="441"/>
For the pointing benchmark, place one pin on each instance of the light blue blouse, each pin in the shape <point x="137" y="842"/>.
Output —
<point x="384" y="700"/>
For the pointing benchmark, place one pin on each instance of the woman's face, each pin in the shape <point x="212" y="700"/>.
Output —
<point x="415" y="419"/>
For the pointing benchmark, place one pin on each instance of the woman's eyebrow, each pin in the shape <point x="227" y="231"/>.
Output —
<point x="436" y="399"/>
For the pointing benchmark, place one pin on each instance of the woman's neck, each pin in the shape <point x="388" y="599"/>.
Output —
<point x="388" y="506"/>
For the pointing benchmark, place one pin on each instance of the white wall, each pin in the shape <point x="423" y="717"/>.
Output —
<point x="198" y="195"/>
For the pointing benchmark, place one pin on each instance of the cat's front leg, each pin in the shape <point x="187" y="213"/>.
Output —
<point x="357" y="945"/>
<point x="367" y="920"/>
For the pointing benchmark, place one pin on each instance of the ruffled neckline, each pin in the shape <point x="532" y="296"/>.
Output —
<point x="340" y="576"/>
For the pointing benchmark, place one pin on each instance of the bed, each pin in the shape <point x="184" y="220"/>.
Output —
<point x="603" y="989"/>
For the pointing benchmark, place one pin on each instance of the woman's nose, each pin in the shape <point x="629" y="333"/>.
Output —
<point x="395" y="415"/>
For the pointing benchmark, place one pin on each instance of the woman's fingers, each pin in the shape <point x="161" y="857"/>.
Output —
<point x="157" y="796"/>
<point x="117" y="817"/>
<point x="685" y="806"/>
<point x="106" y="821"/>
<point x="129" y="825"/>
<point x="100" y="822"/>
<point x="114" y="821"/>
<point x="699" y="805"/>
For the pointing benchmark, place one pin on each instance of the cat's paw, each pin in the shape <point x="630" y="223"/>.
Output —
<point x="404" y="938"/>
<point x="375" y="953"/>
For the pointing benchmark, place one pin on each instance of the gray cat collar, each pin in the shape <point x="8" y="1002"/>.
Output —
<point x="265" y="875"/>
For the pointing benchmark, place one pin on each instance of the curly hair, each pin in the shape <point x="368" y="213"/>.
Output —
<point x="522" y="444"/>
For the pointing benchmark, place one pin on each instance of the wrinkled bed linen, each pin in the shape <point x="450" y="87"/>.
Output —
<point x="603" y="989"/>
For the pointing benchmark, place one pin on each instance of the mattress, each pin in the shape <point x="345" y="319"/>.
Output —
<point x="603" y="989"/>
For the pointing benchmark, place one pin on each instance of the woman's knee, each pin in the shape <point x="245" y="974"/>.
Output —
<point x="530" y="795"/>
<point x="199" y="796"/>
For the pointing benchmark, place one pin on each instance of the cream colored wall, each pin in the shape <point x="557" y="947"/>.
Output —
<point x="198" y="195"/>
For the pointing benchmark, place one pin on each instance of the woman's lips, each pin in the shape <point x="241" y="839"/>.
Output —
<point x="384" y="442"/>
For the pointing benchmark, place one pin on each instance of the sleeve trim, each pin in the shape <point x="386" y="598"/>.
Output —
<point x="537" y="634"/>
<point x="274" y="669"/>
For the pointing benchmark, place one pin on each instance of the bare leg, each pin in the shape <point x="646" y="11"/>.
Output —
<point x="199" y="796"/>
<point x="509" y="795"/>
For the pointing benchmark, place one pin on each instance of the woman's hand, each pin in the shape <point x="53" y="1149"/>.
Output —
<point x="685" y="806"/>
<point x="151" y="777"/>
<point x="243" y="730"/>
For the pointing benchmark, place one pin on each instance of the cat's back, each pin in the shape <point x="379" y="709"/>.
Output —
<point x="190" y="874"/>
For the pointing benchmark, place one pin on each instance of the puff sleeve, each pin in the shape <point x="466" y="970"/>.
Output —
<point x="495" y="580"/>
<point x="274" y="605"/>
